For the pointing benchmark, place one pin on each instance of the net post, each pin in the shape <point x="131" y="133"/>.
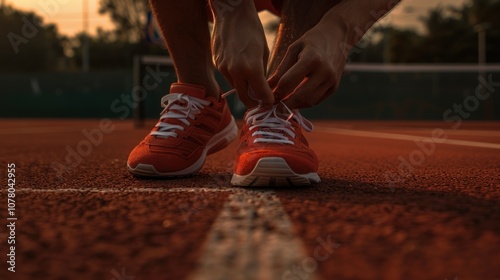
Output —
<point x="139" y="102"/>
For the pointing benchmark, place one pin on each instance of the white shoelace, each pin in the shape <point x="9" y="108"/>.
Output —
<point x="271" y="119"/>
<point x="178" y="106"/>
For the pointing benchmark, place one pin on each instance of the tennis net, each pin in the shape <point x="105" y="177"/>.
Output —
<point x="372" y="91"/>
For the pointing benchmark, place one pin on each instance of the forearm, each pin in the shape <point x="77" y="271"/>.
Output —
<point x="353" y="18"/>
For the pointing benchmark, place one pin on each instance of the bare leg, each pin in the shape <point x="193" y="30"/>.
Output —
<point x="184" y="25"/>
<point x="297" y="17"/>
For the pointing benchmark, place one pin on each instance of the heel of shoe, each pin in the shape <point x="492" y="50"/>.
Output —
<point x="223" y="138"/>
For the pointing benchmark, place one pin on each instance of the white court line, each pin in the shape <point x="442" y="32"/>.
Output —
<point x="489" y="133"/>
<point x="467" y="132"/>
<point x="128" y="190"/>
<point x="252" y="238"/>
<point x="405" y="137"/>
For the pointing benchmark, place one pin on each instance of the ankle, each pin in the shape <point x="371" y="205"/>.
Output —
<point x="210" y="89"/>
<point x="213" y="91"/>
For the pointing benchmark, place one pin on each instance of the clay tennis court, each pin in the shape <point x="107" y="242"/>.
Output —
<point x="437" y="216"/>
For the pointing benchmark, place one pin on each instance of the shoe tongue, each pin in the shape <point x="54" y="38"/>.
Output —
<point x="191" y="90"/>
<point x="187" y="89"/>
<point x="278" y="131"/>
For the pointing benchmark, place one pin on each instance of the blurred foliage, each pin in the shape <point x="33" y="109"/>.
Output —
<point x="450" y="36"/>
<point x="27" y="44"/>
<point x="108" y="52"/>
<point x="129" y="17"/>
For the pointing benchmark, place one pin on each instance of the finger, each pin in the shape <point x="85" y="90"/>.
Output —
<point x="308" y="86"/>
<point x="292" y="79"/>
<point x="241" y="87"/>
<point x="288" y="61"/>
<point x="266" y="58"/>
<point x="331" y="85"/>
<point x="308" y="95"/>
<point x="327" y="94"/>
<point x="261" y="91"/>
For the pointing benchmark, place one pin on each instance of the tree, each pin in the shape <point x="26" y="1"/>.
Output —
<point x="103" y="49"/>
<point x="108" y="52"/>
<point x="28" y="44"/>
<point x="404" y="46"/>
<point x="481" y="11"/>
<point x="449" y="35"/>
<point x="115" y="49"/>
<point x="129" y="16"/>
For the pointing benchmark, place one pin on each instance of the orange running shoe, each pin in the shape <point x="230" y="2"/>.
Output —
<point x="273" y="151"/>
<point x="191" y="127"/>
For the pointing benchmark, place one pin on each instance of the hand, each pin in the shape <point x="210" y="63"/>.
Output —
<point x="240" y="53"/>
<point x="312" y="67"/>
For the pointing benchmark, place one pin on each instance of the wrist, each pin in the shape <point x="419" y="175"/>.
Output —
<point x="338" y="27"/>
<point x="232" y="9"/>
<point x="355" y="17"/>
<point x="337" y="33"/>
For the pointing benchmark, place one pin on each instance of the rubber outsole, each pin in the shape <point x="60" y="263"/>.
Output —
<point x="217" y="143"/>
<point x="274" y="172"/>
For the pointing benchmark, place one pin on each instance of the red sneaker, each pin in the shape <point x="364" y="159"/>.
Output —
<point x="273" y="151"/>
<point x="191" y="127"/>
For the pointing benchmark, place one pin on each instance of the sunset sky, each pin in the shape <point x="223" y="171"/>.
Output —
<point x="68" y="15"/>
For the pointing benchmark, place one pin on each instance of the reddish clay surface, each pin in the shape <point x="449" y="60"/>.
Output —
<point x="439" y="220"/>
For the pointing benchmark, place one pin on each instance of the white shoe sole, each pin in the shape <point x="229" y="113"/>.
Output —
<point x="274" y="172"/>
<point x="227" y="135"/>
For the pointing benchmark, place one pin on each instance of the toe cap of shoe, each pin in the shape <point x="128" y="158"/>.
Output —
<point x="163" y="162"/>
